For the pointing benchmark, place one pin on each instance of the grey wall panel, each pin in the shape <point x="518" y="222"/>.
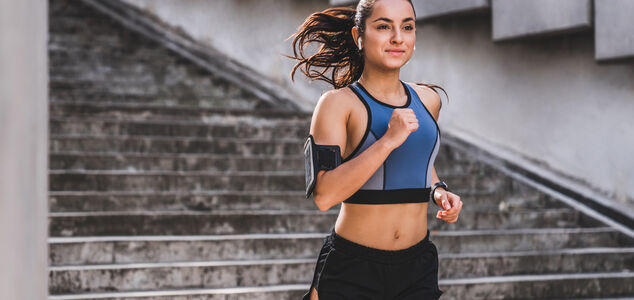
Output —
<point x="426" y="9"/>
<point x="342" y="2"/>
<point x="519" y="18"/>
<point x="613" y="29"/>
<point x="23" y="150"/>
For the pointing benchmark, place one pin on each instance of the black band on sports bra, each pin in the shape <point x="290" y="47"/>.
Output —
<point x="411" y="195"/>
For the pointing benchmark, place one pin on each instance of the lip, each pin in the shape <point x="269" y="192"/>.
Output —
<point x="395" y="52"/>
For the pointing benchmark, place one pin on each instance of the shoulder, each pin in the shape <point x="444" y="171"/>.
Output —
<point x="334" y="102"/>
<point x="334" y="97"/>
<point x="429" y="97"/>
<point x="331" y="115"/>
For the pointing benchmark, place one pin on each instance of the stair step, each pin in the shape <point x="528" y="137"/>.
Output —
<point x="281" y="292"/>
<point x="175" y="223"/>
<point x="234" y="273"/>
<point x="72" y="161"/>
<point x="175" y="180"/>
<point x="176" y="201"/>
<point x="65" y="49"/>
<point x="149" y="112"/>
<point x="161" y="248"/>
<point x="155" y="98"/>
<point x="243" y="146"/>
<point x="540" y="286"/>
<point x="178" y="275"/>
<point x="106" y="42"/>
<point x="580" y="260"/>
<point x="138" y="84"/>
<point x="280" y="221"/>
<point x="212" y="128"/>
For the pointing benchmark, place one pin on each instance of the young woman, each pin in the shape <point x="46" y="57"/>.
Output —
<point x="387" y="132"/>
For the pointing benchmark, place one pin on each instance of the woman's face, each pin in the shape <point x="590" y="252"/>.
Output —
<point x="390" y="34"/>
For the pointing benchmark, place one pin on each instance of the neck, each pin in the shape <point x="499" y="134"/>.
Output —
<point x="383" y="84"/>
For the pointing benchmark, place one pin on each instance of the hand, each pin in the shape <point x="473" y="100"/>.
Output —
<point x="450" y="202"/>
<point x="402" y="122"/>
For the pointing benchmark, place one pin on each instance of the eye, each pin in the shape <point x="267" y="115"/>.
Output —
<point x="381" y="26"/>
<point x="409" y="27"/>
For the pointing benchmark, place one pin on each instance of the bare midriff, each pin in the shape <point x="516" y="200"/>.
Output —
<point x="383" y="226"/>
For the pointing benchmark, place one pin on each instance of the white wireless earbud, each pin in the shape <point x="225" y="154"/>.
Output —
<point x="414" y="47"/>
<point x="359" y="41"/>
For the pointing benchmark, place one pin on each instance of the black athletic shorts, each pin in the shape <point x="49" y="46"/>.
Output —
<point x="347" y="270"/>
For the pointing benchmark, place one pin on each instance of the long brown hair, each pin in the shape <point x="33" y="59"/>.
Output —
<point x="332" y="29"/>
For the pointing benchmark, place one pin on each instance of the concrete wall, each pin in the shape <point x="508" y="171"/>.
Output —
<point x="426" y="9"/>
<point x="23" y="149"/>
<point x="519" y="18"/>
<point x="545" y="101"/>
<point x="614" y="29"/>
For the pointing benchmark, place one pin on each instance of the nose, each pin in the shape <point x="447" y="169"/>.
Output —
<point x="396" y="37"/>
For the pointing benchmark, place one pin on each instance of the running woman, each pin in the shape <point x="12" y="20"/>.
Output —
<point x="388" y="136"/>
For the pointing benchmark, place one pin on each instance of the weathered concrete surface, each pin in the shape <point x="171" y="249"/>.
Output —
<point x="426" y="9"/>
<point x="519" y="18"/>
<point x="613" y="29"/>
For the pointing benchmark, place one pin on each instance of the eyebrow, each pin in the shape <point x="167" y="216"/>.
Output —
<point x="390" y="21"/>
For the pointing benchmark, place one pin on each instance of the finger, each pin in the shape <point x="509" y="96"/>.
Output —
<point x="442" y="214"/>
<point x="445" y="203"/>
<point x="453" y="210"/>
<point x="411" y="119"/>
<point x="449" y="220"/>
<point x="448" y="215"/>
<point x="455" y="200"/>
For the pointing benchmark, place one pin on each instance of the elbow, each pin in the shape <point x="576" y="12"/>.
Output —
<point x="321" y="201"/>
<point x="322" y="198"/>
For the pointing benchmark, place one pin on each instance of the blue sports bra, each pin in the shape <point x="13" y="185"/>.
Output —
<point x="405" y="175"/>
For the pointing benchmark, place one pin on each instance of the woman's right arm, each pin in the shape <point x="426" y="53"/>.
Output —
<point x="328" y="127"/>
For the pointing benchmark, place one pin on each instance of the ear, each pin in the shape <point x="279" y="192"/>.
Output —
<point x="355" y="35"/>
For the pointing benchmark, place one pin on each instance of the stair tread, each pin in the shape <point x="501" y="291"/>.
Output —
<point x="176" y="107"/>
<point x="302" y="287"/>
<point x="183" y="292"/>
<point x="238" y="262"/>
<point x="187" y="138"/>
<point x="116" y="154"/>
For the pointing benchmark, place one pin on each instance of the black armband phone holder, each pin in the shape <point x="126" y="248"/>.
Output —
<point x="316" y="158"/>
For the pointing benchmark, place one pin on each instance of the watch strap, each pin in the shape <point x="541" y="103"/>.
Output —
<point x="433" y="190"/>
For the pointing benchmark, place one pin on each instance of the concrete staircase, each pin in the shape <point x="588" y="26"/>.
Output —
<point x="168" y="182"/>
